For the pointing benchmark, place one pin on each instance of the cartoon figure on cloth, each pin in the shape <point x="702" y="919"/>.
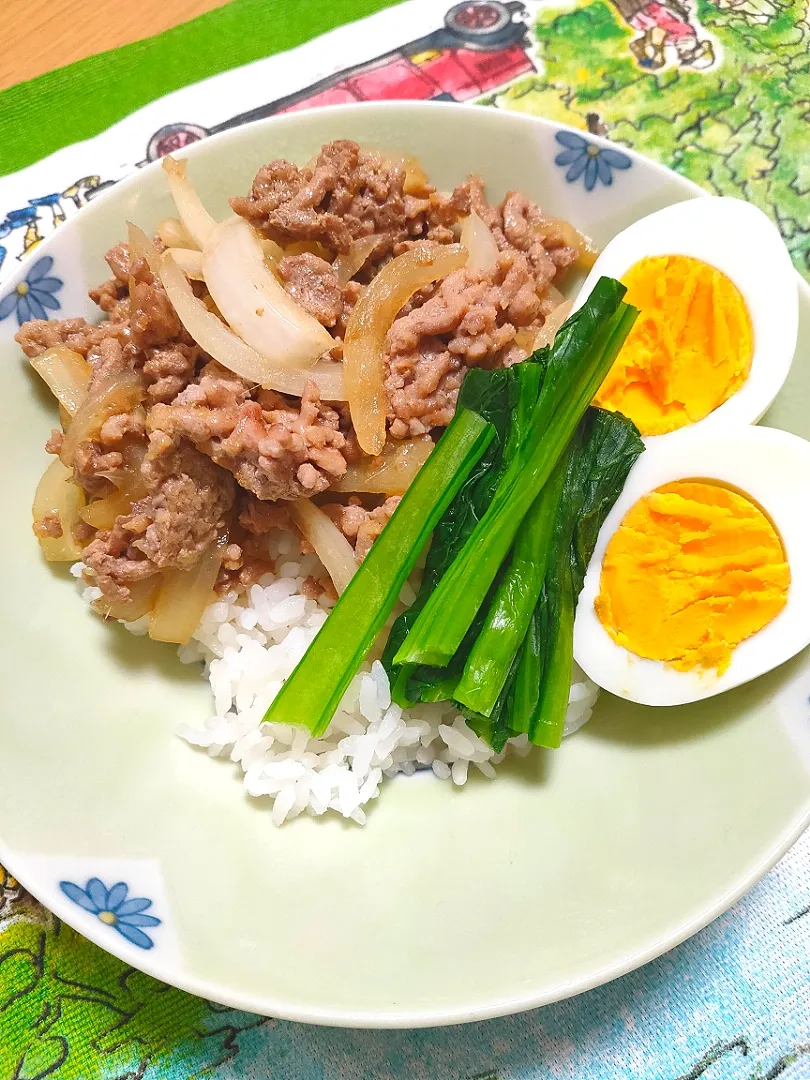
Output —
<point x="662" y="24"/>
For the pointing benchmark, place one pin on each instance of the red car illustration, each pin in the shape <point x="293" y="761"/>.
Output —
<point x="483" y="45"/>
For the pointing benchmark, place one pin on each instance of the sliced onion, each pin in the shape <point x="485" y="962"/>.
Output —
<point x="254" y="304"/>
<point x="391" y="472"/>
<point x="140" y="245"/>
<point x="102" y="513"/>
<point x="171" y="232"/>
<point x="212" y="335"/>
<point x="196" y="220"/>
<point x="371" y="320"/>
<point x="563" y="232"/>
<point x="554" y="320"/>
<point x="346" y="266"/>
<point x="416" y="180"/>
<point x="331" y="546"/>
<point x="273" y="252"/>
<point x="184" y="596"/>
<point x="480" y="243"/>
<point x="311" y="247"/>
<point x="141" y="600"/>
<point x="56" y="495"/>
<point x="118" y="393"/>
<point x="189" y="261"/>
<point x="67" y="374"/>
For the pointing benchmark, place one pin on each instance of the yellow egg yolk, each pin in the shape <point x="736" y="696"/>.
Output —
<point x="693" y="570"/>
<point x="689" y="351"/>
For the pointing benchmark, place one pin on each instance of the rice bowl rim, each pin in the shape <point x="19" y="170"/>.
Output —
<point x="171" y="972"/>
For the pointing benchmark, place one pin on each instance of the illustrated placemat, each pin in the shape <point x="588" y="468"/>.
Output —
<point x="718" y="91"/>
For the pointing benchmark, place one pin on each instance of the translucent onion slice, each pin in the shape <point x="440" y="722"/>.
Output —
<point x="118" y="393"/>
<point x="346" y="266"/>
<point x="416" y="180"/>
<point x="56" y="495"/>
<point x="331" y="546"/>
<point x="184" y="596"/>
<point x="254" y="304"/>
<point x="480" y="243"/>
<point x="141" y="246"/>
<point x="312" y="247"/>
<point x="196" y="220"/>
<point x="273" y="252"/>
<point x="67" y="374"/>
<point x="371" y="320"/>
<point x="172" y="233"/>
<point x="141" y="600"/>
<point x="102" y="513"/>
<point x="563" y="232"/>
<point x="555" y="319"/>
<point x="391" y="472"/>
<point x="212" y="335"/>
<point x="189" y="261"/>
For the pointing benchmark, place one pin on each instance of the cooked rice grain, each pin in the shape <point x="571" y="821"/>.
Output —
<point x="251" y="641"/>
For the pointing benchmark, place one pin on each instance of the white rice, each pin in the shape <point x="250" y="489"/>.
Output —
<point x="250" y="641"/>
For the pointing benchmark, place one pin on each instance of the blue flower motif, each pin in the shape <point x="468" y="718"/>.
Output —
<point x="35" y="296"/>
<point x="112" y="908"/>
<point x="585" y="159"/>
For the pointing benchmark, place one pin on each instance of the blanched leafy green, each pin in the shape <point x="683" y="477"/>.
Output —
<point x="576" y="365"/>
<point x="599" y="458"/>
<point x="313" y="692"/>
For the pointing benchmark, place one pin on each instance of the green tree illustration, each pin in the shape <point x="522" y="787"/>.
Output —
<point x="741" y="129"/>
<point x="70" y="1011"/>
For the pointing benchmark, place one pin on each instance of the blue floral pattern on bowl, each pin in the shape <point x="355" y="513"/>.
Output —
<point x="112" y="907"/>
<point x="587" y="160"/>
<point x="35" y="296"/>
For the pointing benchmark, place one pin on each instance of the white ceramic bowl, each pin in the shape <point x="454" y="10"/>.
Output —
<point x="451" y="905"/>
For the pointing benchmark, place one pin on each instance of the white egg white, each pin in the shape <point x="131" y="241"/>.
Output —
<point x="773" y="469"/>
<point x="740" y="241"/>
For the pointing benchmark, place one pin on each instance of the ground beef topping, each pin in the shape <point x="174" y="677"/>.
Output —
<point x="313" y="284"/>
<point x="203" y="434"/>
<point x="179" y="518"/>
<point x="273" y="448"/>
<point x="361" y="527"/>
<point x="471" y="320"/>
<point x="345" y="194"/>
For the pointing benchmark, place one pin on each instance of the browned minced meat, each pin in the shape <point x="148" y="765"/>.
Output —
<point x="347" y="193"/>
<point x="313" y="284"/>
<point x="49" y="525"/>
<point x="519" y="225"/>
<point x="201" y="433"/>
<point x="54" y="443"/>
<point x="260" y="518"/>
<point x="471" y="320"/>
<point x="38" y="335"/>
<point x="179" y="518"/>
<point x="361" y="527"/>
<point x="273" y="448"/>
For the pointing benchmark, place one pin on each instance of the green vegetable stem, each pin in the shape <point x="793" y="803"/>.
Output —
<point x="507" y="399"/>
<point x="314" y="690"/>
<point x="583" y="353"/>
<point x="603" y="451"/>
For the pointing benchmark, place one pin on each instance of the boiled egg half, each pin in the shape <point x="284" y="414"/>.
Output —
<point x="700" y="579"/>
<point x="718" y="321"/>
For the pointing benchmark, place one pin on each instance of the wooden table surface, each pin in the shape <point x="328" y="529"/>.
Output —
<point x="39" y="35"/>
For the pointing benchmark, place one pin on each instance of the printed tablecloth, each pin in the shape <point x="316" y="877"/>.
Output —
<point x="719" y="91"/>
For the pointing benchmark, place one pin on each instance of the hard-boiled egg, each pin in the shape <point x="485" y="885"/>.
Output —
<point x="700" y="579"/>
<point x="718" y="317"/>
